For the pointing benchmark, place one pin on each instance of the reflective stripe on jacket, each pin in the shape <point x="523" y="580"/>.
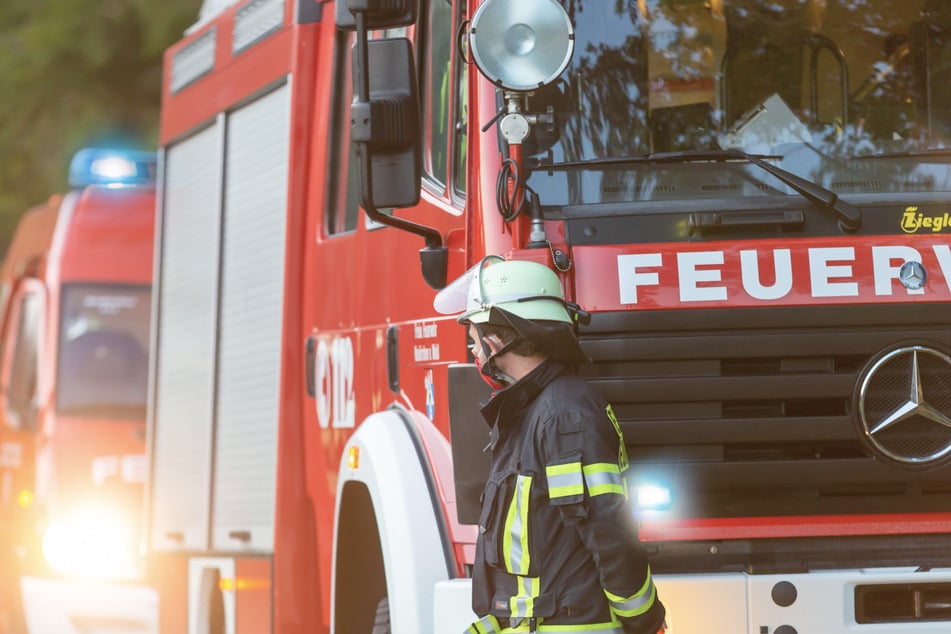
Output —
<point x="490" y="625"/>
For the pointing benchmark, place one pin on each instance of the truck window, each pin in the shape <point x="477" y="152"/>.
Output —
<point x="24" y="369"/>
<point x="103" y="351"/>
<point x="460" y="115"/>
<point x="436" y="83"/>
<point x="436" y="88"/>
<point x="343" y="195"/>
<point x="817" y="85"/>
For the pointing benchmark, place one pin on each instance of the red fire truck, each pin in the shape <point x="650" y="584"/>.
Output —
<point x="750" y="200"/>
<point x="74" y="347"/>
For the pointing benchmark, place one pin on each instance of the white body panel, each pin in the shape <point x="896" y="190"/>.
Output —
<point x="737" y="603"/>
<point x="743" y="603"/>
<point x="453" y="606"/>
<point x="410" y="536"/>
<point x="64" y="606"/>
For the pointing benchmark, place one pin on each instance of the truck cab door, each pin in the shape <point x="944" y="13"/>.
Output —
<point x="20" y="354"/>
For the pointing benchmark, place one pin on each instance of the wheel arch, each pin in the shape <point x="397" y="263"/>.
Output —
<point x="388" y="525"/>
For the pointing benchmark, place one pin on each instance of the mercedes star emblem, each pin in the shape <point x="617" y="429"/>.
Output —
<point x="912" y="275"/>
<point x="904" y="406"/>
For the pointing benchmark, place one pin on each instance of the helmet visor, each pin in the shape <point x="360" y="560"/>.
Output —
<point x="454" y="299"/>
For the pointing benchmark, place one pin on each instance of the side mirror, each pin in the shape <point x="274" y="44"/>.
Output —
<point x="380" y="14"/>
<point x="386" y="125"/>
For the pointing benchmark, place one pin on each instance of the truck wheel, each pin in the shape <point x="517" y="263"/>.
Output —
<point x="381" y="624"/>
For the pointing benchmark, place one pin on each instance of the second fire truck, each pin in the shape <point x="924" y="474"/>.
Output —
<point x="74" y="345"/>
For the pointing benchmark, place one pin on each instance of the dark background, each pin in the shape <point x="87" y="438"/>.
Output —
<point x="74" y="74"/>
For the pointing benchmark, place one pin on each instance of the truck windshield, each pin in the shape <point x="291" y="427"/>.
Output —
<point x="848" y="94"/>
<point x="103" y="351"/>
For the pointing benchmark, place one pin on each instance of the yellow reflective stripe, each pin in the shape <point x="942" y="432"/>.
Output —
<point x="622" y="450"/>
<point x="515" y="539"/>
<point x="486" y="625"/>
<point x="603" y="477"/>
<point x="636" y="604"/>
<point x="522" y="605"/>
<point x="564" y="480"/>
<point x="594" y="628"/>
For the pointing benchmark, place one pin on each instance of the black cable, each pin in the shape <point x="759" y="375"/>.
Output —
<point x="508" y="202"/>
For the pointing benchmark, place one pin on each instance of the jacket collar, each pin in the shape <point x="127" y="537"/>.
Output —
<point x="505" y="406"/>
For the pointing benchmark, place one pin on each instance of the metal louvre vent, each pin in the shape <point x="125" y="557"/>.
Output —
<point x="186" y="298"/>
<point x="251" y="323"/>
<point x="752" y="411"/>
<point x="862" y="186"/>
<point x="193" y="61"/>
<point x="255" y="21"/>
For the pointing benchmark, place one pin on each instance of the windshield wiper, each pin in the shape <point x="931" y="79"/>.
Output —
<point x="934" y="152"/>
<point x="850" y="217"/>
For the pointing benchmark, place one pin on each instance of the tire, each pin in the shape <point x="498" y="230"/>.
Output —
<point x="381" y="623"/>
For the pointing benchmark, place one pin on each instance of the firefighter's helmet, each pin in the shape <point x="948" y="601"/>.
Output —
<point x="522" y="295"/>
<point x="526" y="289"/>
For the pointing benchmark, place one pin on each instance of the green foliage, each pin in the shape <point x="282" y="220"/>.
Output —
<point x="73" y="74"/>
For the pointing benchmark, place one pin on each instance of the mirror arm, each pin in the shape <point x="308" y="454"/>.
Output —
<point x="432" y="237"/>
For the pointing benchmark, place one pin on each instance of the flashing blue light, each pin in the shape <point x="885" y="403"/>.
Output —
<point x="100" y="166"/>
<point x="113" y="168"/>
<point x="652" y="498"/>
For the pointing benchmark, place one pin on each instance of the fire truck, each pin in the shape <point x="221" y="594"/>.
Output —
<point x="74" y="343"/>
<point x="749" y="199"/>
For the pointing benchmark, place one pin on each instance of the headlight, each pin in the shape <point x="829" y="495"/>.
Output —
<point x="92" y="544"/>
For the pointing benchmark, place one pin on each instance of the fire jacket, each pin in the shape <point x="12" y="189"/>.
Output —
<point x="557" y="547"/>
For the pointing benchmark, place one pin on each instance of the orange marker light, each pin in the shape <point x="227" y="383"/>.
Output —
<point x="25" y="498"/>
<point x="353" y="457"/>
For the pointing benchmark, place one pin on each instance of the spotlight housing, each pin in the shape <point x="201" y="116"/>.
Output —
<point x="521" y="45"/>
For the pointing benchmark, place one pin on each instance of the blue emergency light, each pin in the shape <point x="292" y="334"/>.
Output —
<point x="102" y="166"/>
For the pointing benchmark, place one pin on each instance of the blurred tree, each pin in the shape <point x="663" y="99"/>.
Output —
<point x="76" y="73"/>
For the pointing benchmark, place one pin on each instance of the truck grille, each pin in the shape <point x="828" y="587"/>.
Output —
<point x="753" y="411"/>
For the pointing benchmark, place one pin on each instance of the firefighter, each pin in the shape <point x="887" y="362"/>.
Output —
<point x="557" y="549"/>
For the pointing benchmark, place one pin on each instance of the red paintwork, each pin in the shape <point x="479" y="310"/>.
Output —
<point x="119" y="223"/>
<point x="252" y="587"/>
<point x="172" y="616"/>
<point x="802" y="526"/>
<point x="597" y="272"/>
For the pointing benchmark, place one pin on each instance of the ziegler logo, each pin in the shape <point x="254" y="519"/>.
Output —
<point x="913" y="221"/>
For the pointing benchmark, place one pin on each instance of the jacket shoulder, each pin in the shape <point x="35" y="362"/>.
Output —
<point x="569" y="402"/>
